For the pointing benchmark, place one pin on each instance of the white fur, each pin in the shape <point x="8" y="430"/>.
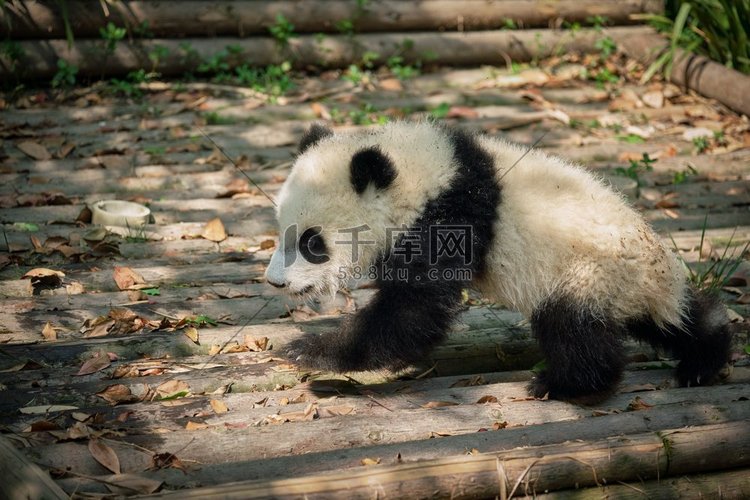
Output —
<point x="559" y="229"/>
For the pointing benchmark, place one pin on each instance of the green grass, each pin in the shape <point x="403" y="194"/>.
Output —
<point x="718" y="29"/>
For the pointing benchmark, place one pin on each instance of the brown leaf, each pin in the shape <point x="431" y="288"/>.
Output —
<point x="439" y="404"/>
<point x="126" y="484"/>
<point x="41" y="276"/>
<point x="48" y="332"/>
<point x="336" y="411"/>
<point x="172" y="387"/>
<point x="667" y="202"/>
<point x="256" y="344"/>
<point x="487" y="399"/>
<point x="34" y="150"/>
<point x="214" y="231"/>
<point x="499" y="425"/>
<point x="117" y="393"/>
<point x="195" y="426"/>
<point x="191" y="332"/>
<point x="267" y="244"/>
<point x="638" y="404"/>
<point x="370" y="461"/>
<point x="166" y="461"/>
<point x="65" y="150"/>
<point x="94" y="364"/>
<point x="104" y="455"/>
<point x="320" y="110"/>
<point x="126" y="277"/>
<point x="99" y="327"/>
<point x="462" y="112"/>
<point x="218" y="406"/>
<point x="469" y="382"/>
<point x="391" y="84"/>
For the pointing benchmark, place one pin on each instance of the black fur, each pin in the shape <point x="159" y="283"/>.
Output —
<point x="371" y="166"/>
<point x="312" y="136"/>
<point x="703" y="347"/>
<point x="408" y="317"/>
<point x="583" y="353"/>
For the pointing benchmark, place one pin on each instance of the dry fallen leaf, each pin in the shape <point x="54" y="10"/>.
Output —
<point x="638" y="404"/>
<point x="126" y="277"/>
<point x="118" y="393"/>
<point x="98" y="362"/>
<point x="191" y="332"/>
<point x="104" y="455"/>
<point x="126" y="484"/>
<point x="48" y="332"/>
<point x="34" y="150"/>
<point x="194" y="426"/>
<point x="214" y="231"/>
<point x="438" y="404"/>
<point x="218" y="406"/>
<point x="267" y="244"/>
<point x="487" y="399"/>
<point x="370" y="461"/>
<point x="41" y="276"/>
<point x="256" y="344"/>
<point x="172" y="388"/>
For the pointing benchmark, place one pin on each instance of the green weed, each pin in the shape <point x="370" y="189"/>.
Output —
<point x="682" y="176"/>
<point x="282" y="30"/>
<point x="714" y="275"/>
<point x="65" y="75"/>
<point x="637" y="167"/>
<point x="111" y="34"/>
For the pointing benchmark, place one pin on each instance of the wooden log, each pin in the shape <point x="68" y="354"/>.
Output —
<point x="692" y="71"/>
<point x="523" y="471"/>
<point x="734" y="484"/>
<point x="23" y="479"/>
<point x="391" y="453"/>
<point x="44" y="19"/>
<point x="40" y="58"/>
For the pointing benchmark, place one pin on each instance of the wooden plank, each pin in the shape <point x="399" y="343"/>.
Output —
<point x="22" y="478"/>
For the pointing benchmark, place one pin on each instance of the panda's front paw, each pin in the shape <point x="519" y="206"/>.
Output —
<point x="313" y="352"/>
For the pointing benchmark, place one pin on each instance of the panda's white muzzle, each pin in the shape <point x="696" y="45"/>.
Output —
<point x="275" y="274"/>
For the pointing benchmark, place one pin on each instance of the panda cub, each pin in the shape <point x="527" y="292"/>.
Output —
<point x="427" y="211"/>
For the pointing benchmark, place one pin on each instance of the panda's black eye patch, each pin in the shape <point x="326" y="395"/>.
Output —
<point x="312" y="246"/>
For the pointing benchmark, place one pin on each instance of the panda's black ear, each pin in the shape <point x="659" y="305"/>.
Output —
<point x="313" y="135"/>
<point x="371" y="166"/>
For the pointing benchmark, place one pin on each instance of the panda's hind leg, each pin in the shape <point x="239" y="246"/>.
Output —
<point x="703" y="345"/>
<point x="583" y="352"/>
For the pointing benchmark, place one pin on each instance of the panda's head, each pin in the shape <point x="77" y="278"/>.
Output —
<point x="332" y="211"/>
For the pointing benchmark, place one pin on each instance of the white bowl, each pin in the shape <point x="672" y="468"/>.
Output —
<point x="119" y="213"/>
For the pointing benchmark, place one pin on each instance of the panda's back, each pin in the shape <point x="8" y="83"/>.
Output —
<point x="561" y="230"/>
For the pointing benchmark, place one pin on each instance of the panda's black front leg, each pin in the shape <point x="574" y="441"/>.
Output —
<point x="400" y="326"/>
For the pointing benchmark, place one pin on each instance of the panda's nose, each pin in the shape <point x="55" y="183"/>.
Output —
<point x="277" y="285"/>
